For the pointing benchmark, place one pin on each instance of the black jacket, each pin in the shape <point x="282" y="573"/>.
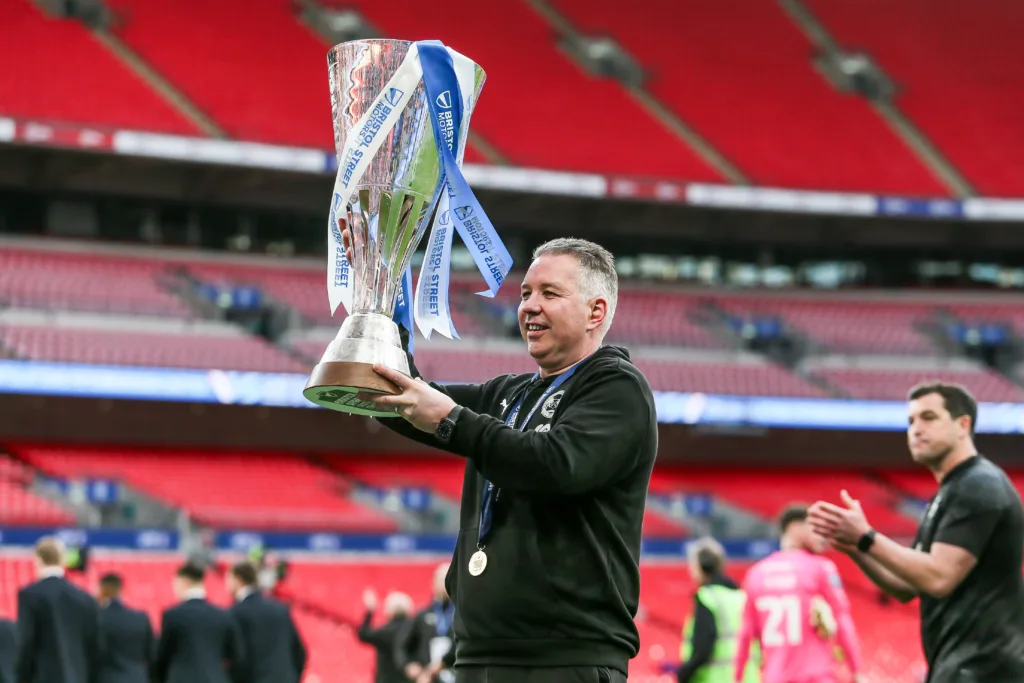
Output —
<point x="274" y="650"/>
<point x="428" y="629"/>
<point x="58" y="634"/>
<point x="129" y="644"/>
<point x="562" y="581"/>
<point x="384" y="640"/>
<point x="8" y="650"/>
<point x="199" y="643"/>
<point x="705" y="632"/>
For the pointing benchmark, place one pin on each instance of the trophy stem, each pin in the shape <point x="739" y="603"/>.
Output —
<point x="346" y="369"/>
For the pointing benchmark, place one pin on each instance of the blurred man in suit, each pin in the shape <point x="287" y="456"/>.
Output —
<point x="58" y="625"/>
<point x="397" y="608"/>
<point x="199" y="643"/>
<point x="127" y="635"/>
<point x="8" y="650"/>
<point x="275" y="652"/>
<point x="426" y="639"/>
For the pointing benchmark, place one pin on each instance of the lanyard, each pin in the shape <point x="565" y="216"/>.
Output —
<point x="491" y="491"/>
<point x="444" y="616"/>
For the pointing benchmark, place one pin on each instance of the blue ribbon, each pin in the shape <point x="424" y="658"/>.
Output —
<point x="403" y="307"/>
<point x="445" y="100"/>
<point x="491" y="491"/>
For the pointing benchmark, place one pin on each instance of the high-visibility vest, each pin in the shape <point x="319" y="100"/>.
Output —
<point x="726" y="606"/>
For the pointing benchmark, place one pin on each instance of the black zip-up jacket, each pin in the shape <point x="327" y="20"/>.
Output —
<point x="562" y="581"/>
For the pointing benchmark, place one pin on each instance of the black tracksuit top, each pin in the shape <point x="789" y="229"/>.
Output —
<point x="562" y="581"/>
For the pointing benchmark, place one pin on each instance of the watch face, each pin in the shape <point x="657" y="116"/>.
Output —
<point x="444" y="430"/>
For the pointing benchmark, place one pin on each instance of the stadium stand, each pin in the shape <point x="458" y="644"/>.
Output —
<point x="81" y="82"/>
<point x="842" y="325"/>
<point x="710" y="68"/>
<point x="65" y="280"/>
<point x="231" y="351"/>
<point x="259" y="74"/>
<point x="19" y="505"/>
<point x="226" y="490"/>
<point x="767" y="492"/>
<point x="541" y="110"/>
<point x="892" y="384"/>
<point x="954" y="68"/>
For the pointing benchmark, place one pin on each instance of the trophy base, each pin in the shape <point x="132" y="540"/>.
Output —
<point x="346" y="368"/>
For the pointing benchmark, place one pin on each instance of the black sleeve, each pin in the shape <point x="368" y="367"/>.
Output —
<point x="96" y="645"/>
<point x="26" y="638"/>
<point x="150" y="643"/>
<point x="299" y="652"/>
<point x="969" y="521"/>
<point x="406" y="642"/>
<point x="370" y="635"/>
<point x="596" y="440"/>
<point x="703" y="643"/>
<point x="164" y="650"/>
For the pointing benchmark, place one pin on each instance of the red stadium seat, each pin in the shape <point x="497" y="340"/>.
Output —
<point x="58" y="71"/>
<point x="94" y="282"/>
<point x="958" y="73"/>
<point x="741" y="72"/>
<point x="154" y="349"/>
<point x="226" y="489"/>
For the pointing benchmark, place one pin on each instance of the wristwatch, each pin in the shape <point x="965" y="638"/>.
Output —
<point x="446" y="427"/>
<point x="865" y="542"/>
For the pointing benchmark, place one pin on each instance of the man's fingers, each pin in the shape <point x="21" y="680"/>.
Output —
<point x="849" y="500"/>
<point x="403" y="381"/>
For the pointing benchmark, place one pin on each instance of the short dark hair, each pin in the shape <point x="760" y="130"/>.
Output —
<point x="112" y="581"/>
<point x="797" y="512"/>
<point x="245" y="573"/>
<point x="955" y="397"/>
<point x="191" y="572"/>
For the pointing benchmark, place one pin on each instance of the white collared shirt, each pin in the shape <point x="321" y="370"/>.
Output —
<point x="51" y="572"/>
<point x="244" y="592"/>
<point x="197" y="593"/>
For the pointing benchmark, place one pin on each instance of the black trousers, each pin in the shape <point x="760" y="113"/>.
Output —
<point x="519" y="674"/>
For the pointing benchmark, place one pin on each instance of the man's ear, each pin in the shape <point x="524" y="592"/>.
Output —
<point x="598" y="312"/>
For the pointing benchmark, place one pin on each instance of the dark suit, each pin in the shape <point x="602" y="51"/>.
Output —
<point x="383" y="640"/>
<point x="8" y="650"/>
<point x="130" y="646"/>
<point x="418" y="635"/>
<point x="274" y="649"/>
<point x="59" y="634"/>
<point x="199" y="643"/>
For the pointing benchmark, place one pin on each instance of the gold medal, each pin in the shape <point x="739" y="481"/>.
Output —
<point x="477" y="563"/>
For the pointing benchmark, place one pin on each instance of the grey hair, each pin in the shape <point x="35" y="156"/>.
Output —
<point x="597" y="275"/>
<point x="707" y="553"/>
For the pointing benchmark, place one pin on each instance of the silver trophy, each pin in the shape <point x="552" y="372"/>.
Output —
<point x="387" y="218"/>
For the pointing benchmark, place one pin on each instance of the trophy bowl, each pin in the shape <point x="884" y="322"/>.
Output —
<point x="389" y="211"/>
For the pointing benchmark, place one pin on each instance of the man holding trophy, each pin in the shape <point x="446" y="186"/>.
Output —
<point x="545" y="576"/>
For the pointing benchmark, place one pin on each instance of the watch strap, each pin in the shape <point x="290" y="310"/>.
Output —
<point x="866" y="541"/>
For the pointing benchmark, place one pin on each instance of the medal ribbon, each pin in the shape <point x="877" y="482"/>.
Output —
<point x="491" y="491"/>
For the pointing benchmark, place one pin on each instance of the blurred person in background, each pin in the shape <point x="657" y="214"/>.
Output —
<point x="274" y="649"/>
<point x="199" y="643"/>
<point x="397" y="608"/>
<point x="709" y="637"/>
<point x="424" y="641"/>
<point x="795" y="606"/>
<point x="58" y="625"/>
<point x="129" y="644"/>
<point x="965" y="563"/>
<point x="8" y="650"/>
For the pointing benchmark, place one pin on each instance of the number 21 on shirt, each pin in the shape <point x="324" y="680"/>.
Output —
<point x="782" y="623"/>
